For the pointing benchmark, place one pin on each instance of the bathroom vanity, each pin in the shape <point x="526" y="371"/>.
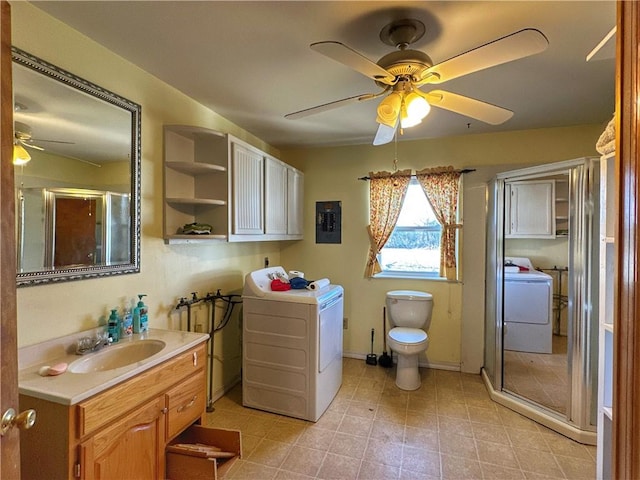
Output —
<point x="111" y="423"/>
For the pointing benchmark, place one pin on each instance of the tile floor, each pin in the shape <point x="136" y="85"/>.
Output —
<point x="447" y="429"/>
<point x="540" y="377"/>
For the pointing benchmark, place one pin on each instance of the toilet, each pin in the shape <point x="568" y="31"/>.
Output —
<point x="409" y="314"/>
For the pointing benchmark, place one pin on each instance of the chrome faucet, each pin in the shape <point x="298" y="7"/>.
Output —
<point x="92" y="344"/>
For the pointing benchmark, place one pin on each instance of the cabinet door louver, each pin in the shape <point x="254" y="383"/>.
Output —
<point x="247" y="191"/>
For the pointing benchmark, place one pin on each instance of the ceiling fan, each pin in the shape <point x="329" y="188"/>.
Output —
<point x="401" y="73"/>
<point x="23" y="135"/>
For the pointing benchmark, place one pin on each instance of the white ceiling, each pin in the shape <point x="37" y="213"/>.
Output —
<point x="251" y="62"/>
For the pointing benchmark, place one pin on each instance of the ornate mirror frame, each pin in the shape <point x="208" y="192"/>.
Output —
<point x="92" y="271"/>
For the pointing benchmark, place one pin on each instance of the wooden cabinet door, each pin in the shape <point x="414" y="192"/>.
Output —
<point x="131" y="448"/>
<point x="248" y="175"/>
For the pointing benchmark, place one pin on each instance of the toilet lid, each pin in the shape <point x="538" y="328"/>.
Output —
<point x="407" y="335"/>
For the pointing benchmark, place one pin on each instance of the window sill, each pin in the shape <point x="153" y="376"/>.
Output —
<point x="412" y="276"/>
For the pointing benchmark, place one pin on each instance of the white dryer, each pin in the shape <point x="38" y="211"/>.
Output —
<point x="528" y="298"/>
<point x="292" y="347"/>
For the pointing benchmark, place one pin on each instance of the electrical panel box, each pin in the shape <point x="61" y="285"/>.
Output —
<point x="329" y="222"/>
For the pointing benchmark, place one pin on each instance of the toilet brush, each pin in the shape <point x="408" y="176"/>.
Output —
<point x="384" y="360"/>
<point x="371" y="357"/>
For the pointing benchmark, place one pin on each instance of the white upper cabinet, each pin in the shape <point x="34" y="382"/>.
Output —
<point x="247" y="174"/>
<point x="530" y="209"/>
<point x="275" y="184"/>
<point x="295" y="204"/>
<point x="214" y="179"/>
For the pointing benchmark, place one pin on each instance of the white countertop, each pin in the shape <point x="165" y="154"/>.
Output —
<point x="70" y="388"/>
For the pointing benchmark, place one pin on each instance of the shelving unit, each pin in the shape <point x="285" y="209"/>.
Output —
<point x="562" y="207"/>
<point x="608" y="221"/>
<point x="195" y="182"/>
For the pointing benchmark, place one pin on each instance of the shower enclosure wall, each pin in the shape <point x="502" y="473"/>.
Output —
<point x="577" y="368"/>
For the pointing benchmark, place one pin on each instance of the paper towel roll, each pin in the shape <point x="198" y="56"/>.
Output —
<point x="319" y="284"/>
<point x="295" y="273"/>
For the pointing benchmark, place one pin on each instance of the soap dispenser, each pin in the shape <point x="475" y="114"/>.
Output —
<point x="140" y="319"/>
<point x="113" y="326"/>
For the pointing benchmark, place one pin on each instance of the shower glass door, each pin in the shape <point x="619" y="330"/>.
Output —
<point x="554" y="377"/>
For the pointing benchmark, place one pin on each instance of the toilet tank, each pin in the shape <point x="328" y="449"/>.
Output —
<point x="409" y="308"/>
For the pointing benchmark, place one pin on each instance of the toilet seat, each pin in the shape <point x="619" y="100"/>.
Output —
<point x="408" y="336"/>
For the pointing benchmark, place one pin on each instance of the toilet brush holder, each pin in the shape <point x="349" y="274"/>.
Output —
<point x="372" y="359"/>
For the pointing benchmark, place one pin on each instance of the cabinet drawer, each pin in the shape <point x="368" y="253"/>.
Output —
<point x="195" y="466"/>
<point x="104" y="408"/>
<point x="185" y="404"/>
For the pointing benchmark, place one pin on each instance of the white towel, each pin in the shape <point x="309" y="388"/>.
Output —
<point x="296" y="273"/>
<point x="319" y="284"/>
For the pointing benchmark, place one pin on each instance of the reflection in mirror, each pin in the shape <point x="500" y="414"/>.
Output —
<point x="77" y="176"/>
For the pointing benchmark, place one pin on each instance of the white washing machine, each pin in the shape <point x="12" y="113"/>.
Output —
<point x="528" y="298"/>
<point x="292" y="347"/>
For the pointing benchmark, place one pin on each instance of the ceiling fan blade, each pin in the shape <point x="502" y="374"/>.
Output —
<point x="30" y="145"/>
<point x="52" y="141"/>
<point x="506" y="49"/>
<point x="347" y="56"/>
<point x="331" y="105"/>
<point x="384" y="134"/>
<point x="469" y="107"/>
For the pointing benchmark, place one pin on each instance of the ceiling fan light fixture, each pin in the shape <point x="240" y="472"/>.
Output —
<point x="389" y="109"/>
<point x="20" y="155"/>
<point x="417" y="106"/>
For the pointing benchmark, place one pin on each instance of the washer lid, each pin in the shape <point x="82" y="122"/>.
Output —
<point x="408" y="335"/>
<point x="410" y="295"/>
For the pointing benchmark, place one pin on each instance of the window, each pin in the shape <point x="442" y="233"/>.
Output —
<point x="414" y="245"/>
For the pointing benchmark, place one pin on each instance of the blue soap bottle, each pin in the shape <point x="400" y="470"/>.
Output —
<point x="113" y="326"/>
<point x="140" y="322"/>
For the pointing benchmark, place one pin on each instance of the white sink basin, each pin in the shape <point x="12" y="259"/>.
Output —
<point x="116" y="356"/>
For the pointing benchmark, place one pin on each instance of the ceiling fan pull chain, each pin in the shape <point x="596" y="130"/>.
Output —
<point x="395" y="151"/>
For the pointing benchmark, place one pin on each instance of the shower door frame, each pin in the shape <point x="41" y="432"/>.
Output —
<point x="583" y="190"/>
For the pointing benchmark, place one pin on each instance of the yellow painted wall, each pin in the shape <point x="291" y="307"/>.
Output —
<point x="332" y="174"/>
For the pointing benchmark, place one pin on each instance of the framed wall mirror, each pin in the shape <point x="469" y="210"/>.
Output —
<point x="77" y="176"/>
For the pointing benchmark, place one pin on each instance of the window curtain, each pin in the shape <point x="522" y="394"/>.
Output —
<point x="386" y="194"/>
<point x="441" y="186"/>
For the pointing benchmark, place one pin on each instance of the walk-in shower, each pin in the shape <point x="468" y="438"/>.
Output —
<point x="555" y="387"/>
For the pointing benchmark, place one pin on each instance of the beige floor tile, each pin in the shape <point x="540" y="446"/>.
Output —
<point x="270" y="453"/>
<point x="286" y="432"/>
<point x="338" y="467"/>
<point x="348" y="445"/>
<point x="454" y="426"/>
<point x="392" y="414"/>
<point x="422" y="420"/>
<point x="496" y="454"/>
<point x="378" y="471"/>
<point x="496" y="472"/>
<point x="576" y="468"/>
<point x="527" y="439"/>
<point x="286" y="475"/>
<point x="539" y="462"/>
<point x="355" y="426"/>
<point x="379" y="451"/>
<point x="422" y="438"/>
<point x="306" y="461"/>
<point x="421" y="461"/>
<point x="317" y="438"/>
<point x="251" y="471"/>
<point x="456" y="468"/>
<point x="490" y="433"/>
<point x="458" y="445"/>
<point x="484" y="415"/>
<point x="330" y="420"/>
<point x="362" y="409"/>
<point x="387" y="431"/>
<point x="455" y="410"/>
